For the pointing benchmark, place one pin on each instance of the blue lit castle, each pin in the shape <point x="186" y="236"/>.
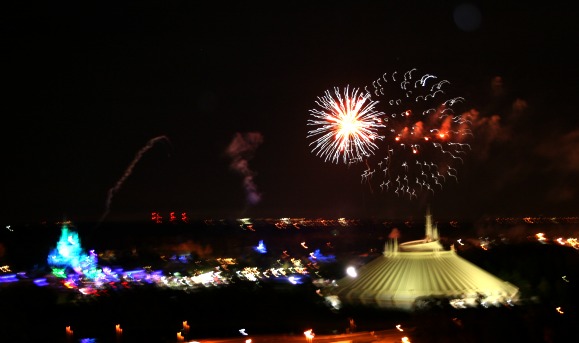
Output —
<point x="68" y="259"/>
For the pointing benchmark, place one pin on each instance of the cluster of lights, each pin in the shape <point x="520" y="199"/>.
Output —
<point x="486" y="243"/>
<point x="119" y="279"/>
<point x="280" y="223"/>
<point x="491" y="300"/>
<point x="158" y="219"/>
<point x="537" y="220"/>
<point x="570" y="242"/>
<point x="75" y="269"/>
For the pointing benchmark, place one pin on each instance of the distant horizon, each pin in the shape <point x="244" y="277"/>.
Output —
<point x="165" y="219"/>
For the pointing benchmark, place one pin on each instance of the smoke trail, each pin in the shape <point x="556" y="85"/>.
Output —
<point x="128" y="172"/>
<point x="240" y="150"/>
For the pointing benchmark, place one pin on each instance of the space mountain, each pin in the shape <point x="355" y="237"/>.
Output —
<point x="412" y="275"/>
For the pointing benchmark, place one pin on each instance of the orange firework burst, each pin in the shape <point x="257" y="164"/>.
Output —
<point x="346" y="126"/>
<point x="425" y="136"/>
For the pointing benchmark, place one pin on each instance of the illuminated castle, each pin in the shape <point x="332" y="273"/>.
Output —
<point x="416" y="273"/>
<point x="69" y="257"/>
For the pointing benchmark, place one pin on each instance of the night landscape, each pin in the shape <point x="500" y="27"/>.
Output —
<point x="348" y="171"/>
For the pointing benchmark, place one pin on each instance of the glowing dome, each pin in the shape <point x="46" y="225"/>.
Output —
<point x="409" y="275"/>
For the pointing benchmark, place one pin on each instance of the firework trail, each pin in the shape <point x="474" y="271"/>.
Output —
<point x="423" y="138"/>
<point x="346" y="126"/>
<point x="241" y="149"/>
<point x="128" y="172"/>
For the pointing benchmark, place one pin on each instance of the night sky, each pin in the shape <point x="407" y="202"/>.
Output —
<point x="113" y="110"/>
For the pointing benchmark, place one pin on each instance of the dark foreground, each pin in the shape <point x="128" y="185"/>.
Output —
<point x="149" y="314"/>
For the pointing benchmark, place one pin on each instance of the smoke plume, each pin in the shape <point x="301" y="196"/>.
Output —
<point x="241" y="150"/>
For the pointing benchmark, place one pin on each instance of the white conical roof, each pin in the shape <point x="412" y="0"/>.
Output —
<point x="417" y="270"/>
<point x="397" y="280"/>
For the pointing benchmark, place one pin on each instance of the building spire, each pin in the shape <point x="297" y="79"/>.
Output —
<point x="391" y="247"/>
<point x="429" y="233"/>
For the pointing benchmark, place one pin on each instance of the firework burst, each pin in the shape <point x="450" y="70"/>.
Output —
<point x="413" y="144"/>
<point x="426" y="135"/>
<point x="346" y="126"/>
